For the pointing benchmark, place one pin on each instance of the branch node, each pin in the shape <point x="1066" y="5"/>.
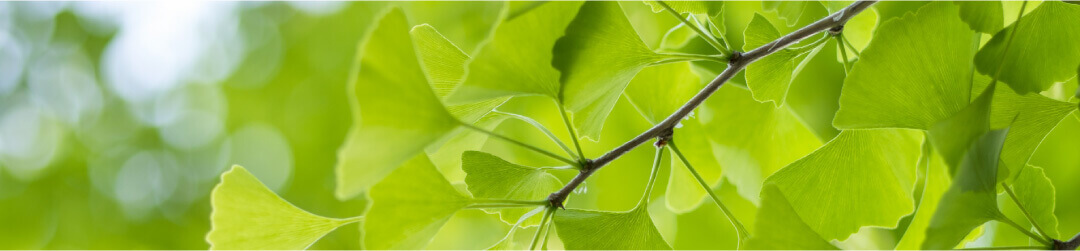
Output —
<point x="556" y="200"/>
<point x="663" y="138"/>
<point x="836" y="30"/>
<point x="735" y="56"/>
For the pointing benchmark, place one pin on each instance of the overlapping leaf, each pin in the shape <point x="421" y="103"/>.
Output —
<point x="444" y="65"/>
<point x="936" y="180"/>
<point x="395" y="112"/>
<point x="597" y="230"/>
<point x="770" y="77"/>
<point x="953" y="136"/>
<point x="1043" y="50"/>
<point x="778" y="226"/>
<point x="906" y="79"/>
<point x="489" y="176"/>
<point x="864" y="176"/>
<point x="247" y="215"/>
<point x="982" y="16"/>
<point x="409" y="206"/>
<point x="709" y="8"/>
<point x="598" y="57"/>
<point x="971" y="200"/>
<point x="1036" y="193"/>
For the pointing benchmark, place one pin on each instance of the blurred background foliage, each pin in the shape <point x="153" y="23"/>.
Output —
<point x="117" y="118"/>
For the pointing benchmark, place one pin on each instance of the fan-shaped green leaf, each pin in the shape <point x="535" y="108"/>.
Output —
<point x="778" y="226"/>
<point x="517" y="60"/>
<point x="1043" y="51"/>
<point x="599" y="55"/>
<point x="395" y="113"/>
<point x="597" y="230"/>
<point x="953" y="136"/>
<point x="444" y="65"/>
<point x="907" y="79"/>
<point x="752" y="140"/>
<point x="971" y="200"/>
<point x="409" y="206"/>
<point x="865" y="176"/>
<point x="1030" y="118"/>
<point x="770" y="77"/>
<point x="1035" y="191"/>
<point x="789" y="11"/>
<point x="247" y="215"/>
<point x="982" y="16"/>
<point x="936" y="179"/>
<point x="489" y="176"/>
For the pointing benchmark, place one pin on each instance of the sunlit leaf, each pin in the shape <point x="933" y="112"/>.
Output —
<point x="447" y="155"/>
<point x="382" y="92"/>
<point x="409" y="206"/>
<point x="906" y="79"/>
<point x="936" y="180"/>
<point x="444" y="65"/>
<point x="1029" y="117"/>
<point x="492" y="177"/>
<point x="247" y="215"/>
<point x="517" y="60"/>
<point x="865" y="176"/>
<point x="1043" y="50"/>
<point x="1035" y="191"/>
<point x="770" y="77"/>
<point x="752" y="140"/>
<point x="971" y="200"/>
<point x="789" y="11"/>
<point x="982" y="16"/>
<point x="597" y="230"/>
<point x="778" y="226"/>
<point x="599" y="55"/>
<point x="710" y="8"/>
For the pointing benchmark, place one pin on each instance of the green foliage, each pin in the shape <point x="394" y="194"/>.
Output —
<point x="1035" y="193"/>
<point x="982" y="16"/>
<point x="780" y="227"/>
<point x="770" y="78"/>
<point x="409" y="206"/>
<point x="489" y="176"/>
<point x="1041" y="52"/>
<point x="971" y="200"/>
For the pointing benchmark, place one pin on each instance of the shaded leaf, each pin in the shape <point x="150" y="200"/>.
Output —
<point x="982" y="16"/>
<point x="778" y="226"/>
<point x="247" y="215"/>
<point x="935" y="182"/>
<point x="971" y="200"/>
<point x="381" y="93"/>
<point x="789" y="11"/>
<point x="864" y="176"/>
<point x="489" y="176"/>
<point x="1043" y="50"/>
<point x="409" y="207"/>
<point x="953" y="136"/>
<point x="906" y="79"/>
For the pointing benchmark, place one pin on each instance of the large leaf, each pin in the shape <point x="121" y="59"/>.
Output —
<point x="1043" y="50"/>
<point x="1030" y="118"/>
<point x="906" y="79"/>
<point x="770" y="77"/>
<point x="953" y="136"/>
<point x="752" y="140"/>
<point x="489" y="176"/>
<point x="972" y="198"/>
<point x="409" y="206"/>
<point x="935" y="180"/>
<point x="599" y="55"/>
<point x="1034" y="191"/>
<point x="395" y="113"/>
<point x="517" y="61"/>
<point x="864" y="176"/>
<point x="982" y="16"/>
<point x="444" y="65"/>
<point x="778" y="226"/>
<point x="597" y="230"/>
<point x="247" y="215"/>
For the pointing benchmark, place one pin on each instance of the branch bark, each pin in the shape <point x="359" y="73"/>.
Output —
<point x="737" y="63"/>
<point x="1071" y="244"/>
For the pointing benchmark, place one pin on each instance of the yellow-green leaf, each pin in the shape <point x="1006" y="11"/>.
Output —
<point x="1043" y="50"/>
<point x="489" y="176"/>
<point x="409" y="206"/>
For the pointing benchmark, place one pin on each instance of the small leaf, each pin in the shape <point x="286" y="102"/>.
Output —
<point x="596" y="230"/>
<point x="395" y="112"/>
<point x="1043" y="51"/>
<point x="982" y="16"/>
<point x="598" y="57"/>
<point x="409" y="206"/>
<point x="778" y="226"/>
<point x="489" y="176"/>
<point x="865" y="176"/>
<point x="247" y="215"/>
<point x="906" y="79"/>
<point x="517" y="61"/>
<point x="1035" y="191"/>
<point x="972" y="198"/>
<point x="770" y="77"/>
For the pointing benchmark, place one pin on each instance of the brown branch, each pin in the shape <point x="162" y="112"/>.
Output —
<point x="737" y="63"/>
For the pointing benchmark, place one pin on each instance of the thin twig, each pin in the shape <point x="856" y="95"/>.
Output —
<point x="736" y="64"/>
<point x="739" y="228"/>
<point x="704" y="35"/>
<point x="522" y="144"/>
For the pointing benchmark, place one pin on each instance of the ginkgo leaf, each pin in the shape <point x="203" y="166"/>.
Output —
<point x="1030" y="118"/>
<point x="507" y="242"/>
<point x="489" y="176"/>
<point x="1042" y="52"/>
<point x="248" y="215"/>
<point x="598" y="57"/>
<point x="789" y="11"/>
<point x="971" y="200"/>
<point x="865" y="176"/>
<point x="1035" y="191"/>
<point x="447" y="155"/>
<point x="953" y="136"/>
<point x="444" y="65"/>
<point x="936" y="180"/>
<point x="906" y="79"/>
<point x="982" y="16"/>
<point x="684" y="192"/>
<point x="778" y="226"/>
<point x="409" y="206"/>
<point x="659" y="91"/>
<point x="517" y="60"/>
<point x="751" y="140"/>
<point x="597" y="230"/>
<point x="770" y="77"/>
<point x="859" y="29"/>
<point x="381" y="93"/>
<point x="709" y="8"/>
